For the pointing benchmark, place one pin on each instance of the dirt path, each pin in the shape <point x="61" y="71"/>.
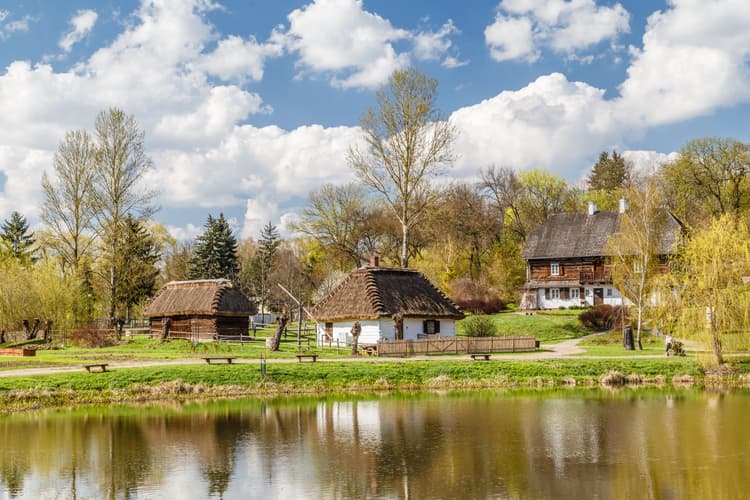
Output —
<point x="564" y="349"/>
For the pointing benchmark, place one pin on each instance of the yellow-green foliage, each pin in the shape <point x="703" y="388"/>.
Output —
<point x="35" y="291"/>
<point x="713" y="300"/>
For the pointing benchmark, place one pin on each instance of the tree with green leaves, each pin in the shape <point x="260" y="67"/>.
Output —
<point x="610" y="173"/>
<point x="17" y="239"/>
<point x="120" y="164"/>
<point x="137" y="265"/>
<point x="713" y="299"/>
<point x="67" y="208"/>
<point x="407" y="143"/>
<point x="710" y="178"/>
<point x="268" y="246"/>
<point x="215" y="253"/>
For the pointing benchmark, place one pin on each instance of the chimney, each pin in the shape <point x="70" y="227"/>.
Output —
<point x="623" y="205"/>
<point x="374" y="261"/>
<point x="592" y="208"/>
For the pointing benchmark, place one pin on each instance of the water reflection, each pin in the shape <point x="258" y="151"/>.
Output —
<point x="660" y="445"/>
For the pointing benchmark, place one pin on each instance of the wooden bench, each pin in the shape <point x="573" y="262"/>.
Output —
<point x="480" y="356"/>
<point x="313" y="357"/>
<point x="103" y="366"/>
<point x="227" y="359"/>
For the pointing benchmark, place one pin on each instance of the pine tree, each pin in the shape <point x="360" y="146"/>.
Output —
<point x="17" y="238"/>
<point x="137" y="264"/>
<point x="609" y="173"/>
<point x="215" y="254"/>
<point x="262" y="263"/>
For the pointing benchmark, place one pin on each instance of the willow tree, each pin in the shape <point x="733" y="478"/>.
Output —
<point x="407" y="143"/>
<point x="713" y="298"/>
<point x="643" y="235"/>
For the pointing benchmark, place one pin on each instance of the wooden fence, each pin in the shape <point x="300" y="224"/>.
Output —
<point x="457" y="345"/>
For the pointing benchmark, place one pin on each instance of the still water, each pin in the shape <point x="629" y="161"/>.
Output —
<point x="573" y="444"/>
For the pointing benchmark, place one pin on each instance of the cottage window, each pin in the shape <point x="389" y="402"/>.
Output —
<point x="588" y="292"/>
<point x="554" y="268"/>
<point x="609" y="292"/>
<point x="574" y="293"/>
<point x="637" y="266"/>
<point x="554" y="293"/>
<point x="431" y="326"/>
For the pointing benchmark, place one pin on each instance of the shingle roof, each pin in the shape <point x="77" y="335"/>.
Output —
<point x="374" y="292"/>
<point x="200" y="297"/>
<point x="568" y="235"/>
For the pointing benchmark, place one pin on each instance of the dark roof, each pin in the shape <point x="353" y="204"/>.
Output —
<point x="570" y="235"/>
<point x="375" y="292"/>
<point x="200" y="297"/>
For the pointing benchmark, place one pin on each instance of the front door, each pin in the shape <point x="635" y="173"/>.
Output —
<point x="598" y="296"/>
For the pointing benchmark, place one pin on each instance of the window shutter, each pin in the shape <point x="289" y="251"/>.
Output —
<point x="424" y="326"/>
<point x="546" y="293"/>
<point x="437" y="326"/>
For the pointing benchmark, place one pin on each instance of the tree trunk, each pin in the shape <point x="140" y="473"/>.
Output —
<point x="2" y="336"/>
<point x="640" y="316"/>
<point x="716" y="345"/>
<point x="280" y="325"/>
<point x="404" y="245"/>
<point x="46" y="332"/>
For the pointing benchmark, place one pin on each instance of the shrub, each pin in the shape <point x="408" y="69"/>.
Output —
<point x="90" y="336"/>
<point x="601" y="317"/>
<point x="475" y="297"/>
<point x="613" y="378"/>
<point x="480" y="326"/>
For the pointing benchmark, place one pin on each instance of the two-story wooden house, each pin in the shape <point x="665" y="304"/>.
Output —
<point x="566" y="259"/>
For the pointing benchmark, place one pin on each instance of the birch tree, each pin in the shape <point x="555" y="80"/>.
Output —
<point x="407" y="143"/>
<point x="634" y="249"/>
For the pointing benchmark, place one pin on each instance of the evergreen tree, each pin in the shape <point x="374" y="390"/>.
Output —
<point x="136" y="265"/>
<point x="268" y="244"/>
<point x="609" y="173"/>
<point x="215" y="254"/>
<point x="17" y="238"/>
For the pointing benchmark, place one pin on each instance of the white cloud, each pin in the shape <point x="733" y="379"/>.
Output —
<point x="236" y="59"/>
<point x="694" y="60"/>
<point x="19" y="25"/>
<point x="432" y="45"/>
<point x="340" y="38"/>
<point x="451" y="62"/>
<point x="82" y="24"/>
<point x="523" y="27"/>
<point x="648" y="162"/>
<point x="511" y="38"/>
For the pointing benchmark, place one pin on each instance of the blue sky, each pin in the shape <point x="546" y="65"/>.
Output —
<point x="247" y="106"/>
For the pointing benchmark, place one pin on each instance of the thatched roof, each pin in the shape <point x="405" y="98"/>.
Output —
<point x="375" y="292"/>
<point x="571" y="235"/>
<point x="200" y="297"/>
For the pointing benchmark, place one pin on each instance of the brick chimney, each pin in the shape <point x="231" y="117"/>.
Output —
<point x="623" y="205"/>
<point x="593" y="208"/>
<point x="374" y="261"/>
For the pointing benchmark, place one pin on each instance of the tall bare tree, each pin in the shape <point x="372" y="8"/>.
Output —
<point x="121" y="162"/>
<point x="407" y="142"/>
<point x="67" y="209"/>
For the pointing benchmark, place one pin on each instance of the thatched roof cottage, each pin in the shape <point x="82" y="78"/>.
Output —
<point x="199" y="310"/>
<point x="389" y="303"/>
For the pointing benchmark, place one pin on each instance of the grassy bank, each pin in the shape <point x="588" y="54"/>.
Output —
<point x="547" y="326"/>
<point x="176" y="382"/>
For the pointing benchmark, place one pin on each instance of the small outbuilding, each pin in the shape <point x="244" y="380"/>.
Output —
<point x="389" y="303"/>
<point x="199" y="310"/>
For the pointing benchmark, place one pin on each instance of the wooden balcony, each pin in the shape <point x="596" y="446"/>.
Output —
<point x="604" y="276"/>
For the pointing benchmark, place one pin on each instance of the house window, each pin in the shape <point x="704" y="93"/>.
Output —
<point x="554" y="293"/>
<point x="588" y="292"/>
<point x="554" y="269"/>
<point x="431" y="326"/>
<point x="609" y="292"/>
<point x="637" y="266"/>
<point x="574" y="293"/>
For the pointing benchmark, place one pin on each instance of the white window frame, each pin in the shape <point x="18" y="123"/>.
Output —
<point x="554" y="294"/>
<point x="588" y="292"/>
<point x="554" y="269"/>
<point x="575" y="293"/>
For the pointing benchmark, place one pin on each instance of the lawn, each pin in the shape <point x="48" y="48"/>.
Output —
<point x="610" y="344"/>
<point x="547" y="326"/>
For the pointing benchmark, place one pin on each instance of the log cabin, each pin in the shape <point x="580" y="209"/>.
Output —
<point x="389" y="303"/>
<point x="199" y="310"/>
<point x="567" y="262"/>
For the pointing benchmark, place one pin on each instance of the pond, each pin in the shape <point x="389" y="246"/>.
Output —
<point x="568" y="444"/>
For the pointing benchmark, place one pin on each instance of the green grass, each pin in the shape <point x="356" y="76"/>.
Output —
<point x="610" y="344"/>
<point x="547" y="326"/>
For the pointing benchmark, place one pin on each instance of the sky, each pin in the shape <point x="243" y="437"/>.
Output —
<point x="247" y="106"/>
